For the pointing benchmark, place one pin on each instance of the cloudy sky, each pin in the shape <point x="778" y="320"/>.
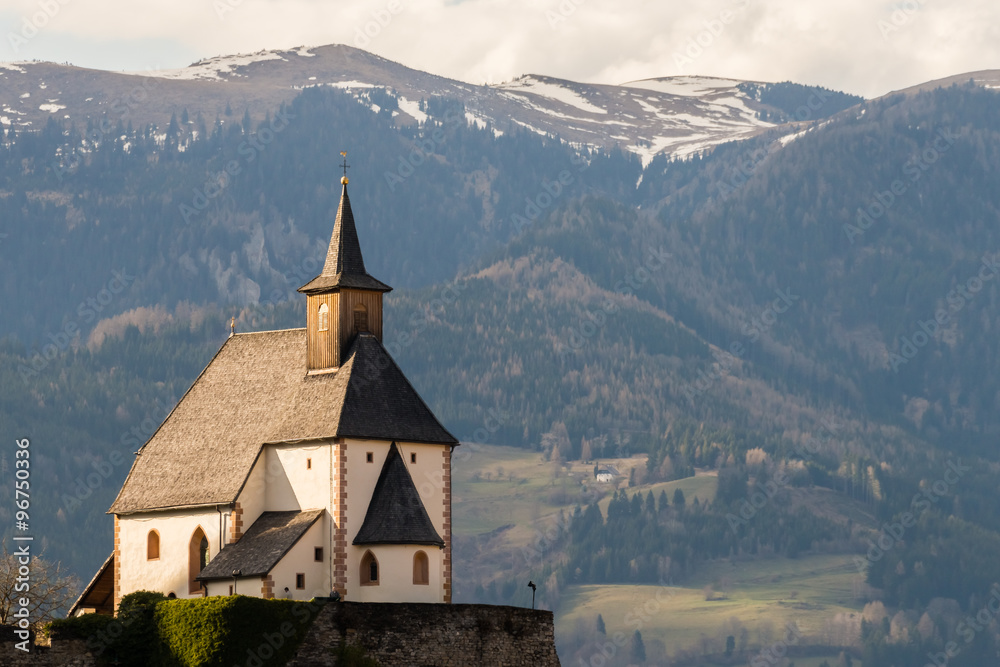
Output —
<point x="860" y="46"/>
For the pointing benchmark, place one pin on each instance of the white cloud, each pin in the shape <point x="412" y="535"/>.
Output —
<point x="838" y="45"/>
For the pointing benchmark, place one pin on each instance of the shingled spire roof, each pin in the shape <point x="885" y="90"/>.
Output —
<point x="345" y="266"/>
<point x="396" y="514"/>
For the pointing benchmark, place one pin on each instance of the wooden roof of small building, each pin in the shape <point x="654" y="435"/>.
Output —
<point x="266" y="542"/>
<point x="99" y="594"/>
<point x="256" y="391"/>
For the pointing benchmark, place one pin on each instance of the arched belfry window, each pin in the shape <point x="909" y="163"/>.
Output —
<point x="360" y="318"/>
<point x="324" y="318"/>
<point x="369" y="570"/>
<point x="197" y="558"/>
<point x="421" y="569"/>
<point x="153" y="545"/>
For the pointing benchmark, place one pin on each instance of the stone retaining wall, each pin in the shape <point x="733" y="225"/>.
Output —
<point x="432" y="635"/>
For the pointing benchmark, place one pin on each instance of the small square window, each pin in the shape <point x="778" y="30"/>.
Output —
<point x="413" y="457"/>
<point x="309" y="464"/>
<point x="230" y="589"/>
<point x="318" y="554"/>
<point x="300" y="581"/>
<point x="371" y="457"/>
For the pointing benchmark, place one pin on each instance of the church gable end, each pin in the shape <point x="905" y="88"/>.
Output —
<point x="396" y="515"/>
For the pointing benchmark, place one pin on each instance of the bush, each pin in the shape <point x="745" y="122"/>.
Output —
<point x="231" y="630"/>
<point x="79" y="627"/>
<point x="139" y="643"/>
<point x="151" y="631"/>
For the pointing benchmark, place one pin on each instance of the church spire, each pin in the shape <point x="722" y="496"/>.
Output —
<point x="344" y="254"/>
<point x="345" y="265"/>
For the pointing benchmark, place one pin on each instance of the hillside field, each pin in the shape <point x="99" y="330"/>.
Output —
<point x="763" y="596"/>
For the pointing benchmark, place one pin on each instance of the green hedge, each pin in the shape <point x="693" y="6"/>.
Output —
<point x="204" y="632"/>
<point x="79" y="627"/>
<point x="232" y="630"/>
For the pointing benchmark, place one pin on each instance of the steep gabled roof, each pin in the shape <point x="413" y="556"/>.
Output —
<point x="267" y="541"/>
<point x="345" y="266"/>
<point x="256" y="391"/>
<point x="396" y="515"/>
<point x="100" y="592"/>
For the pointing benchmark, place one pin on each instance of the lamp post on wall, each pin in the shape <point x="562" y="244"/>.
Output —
<point x="532" y="586"/>
<point x="236" y="573"/>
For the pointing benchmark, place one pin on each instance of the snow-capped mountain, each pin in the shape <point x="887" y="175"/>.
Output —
<point x="675" y="115"/>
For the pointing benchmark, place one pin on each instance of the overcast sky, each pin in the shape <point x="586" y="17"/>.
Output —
<point x="859" y="46"/>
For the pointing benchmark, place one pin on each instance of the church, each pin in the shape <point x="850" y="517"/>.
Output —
<point x="300" y="463"/>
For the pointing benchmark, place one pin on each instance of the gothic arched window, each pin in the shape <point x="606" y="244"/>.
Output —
<point x="369" y="569"/>
<point x="197" y="558"/>
<point x="421" y="569"/>
<point x="153" y="545"/>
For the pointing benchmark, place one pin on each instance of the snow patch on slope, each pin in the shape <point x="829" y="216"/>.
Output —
<point x="685" y="86"/>
<point x="353" y="84"/>
<point x="212" y="68"/>
<point x="552" y="91"/>
<point x="412" y="109"/>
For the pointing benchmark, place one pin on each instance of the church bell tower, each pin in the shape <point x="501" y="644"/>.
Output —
<point x="343" y="300"/>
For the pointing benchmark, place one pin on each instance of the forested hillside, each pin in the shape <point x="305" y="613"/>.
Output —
<point x="239" y="212"/>
<point x="814" y="308"/>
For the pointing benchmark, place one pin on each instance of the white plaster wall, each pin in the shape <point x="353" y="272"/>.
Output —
<point x="396" y="574"/>
<point x="253" y="496"/>
<point x="427" y="474"/>
<point x="291" y="484"/>
<point x="251" y="586"/>
<point x="302" y="558"/>
<point x="170" y="572"/>
<point x="280" y="480"/>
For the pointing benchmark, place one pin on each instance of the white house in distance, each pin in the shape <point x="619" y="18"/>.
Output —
<point x="299" y="459"/>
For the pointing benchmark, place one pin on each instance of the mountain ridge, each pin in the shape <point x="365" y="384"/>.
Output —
<point x="675" y="116"/>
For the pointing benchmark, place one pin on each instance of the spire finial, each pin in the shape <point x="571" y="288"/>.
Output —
<point x="232" y="327"/>
<point x="345" y="166"/>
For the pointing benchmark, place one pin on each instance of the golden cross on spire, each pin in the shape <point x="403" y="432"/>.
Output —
<point x="345" y="166"/>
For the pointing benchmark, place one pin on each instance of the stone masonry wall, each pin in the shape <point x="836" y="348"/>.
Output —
<point x="432" y="635"/>
<point x="428" y="635"/>
<point x="66" y="653"/>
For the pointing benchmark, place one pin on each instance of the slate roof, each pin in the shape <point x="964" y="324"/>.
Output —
<point x="256" y="391"/>
<point x="396" y="514"/>
<point x="267" y="541"/>
<point x="345" y="266"/>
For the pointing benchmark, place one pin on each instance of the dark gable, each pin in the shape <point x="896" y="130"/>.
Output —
<point x="395" y="514"/>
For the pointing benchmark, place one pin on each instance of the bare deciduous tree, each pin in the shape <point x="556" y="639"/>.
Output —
<point x="46" y="587"/>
